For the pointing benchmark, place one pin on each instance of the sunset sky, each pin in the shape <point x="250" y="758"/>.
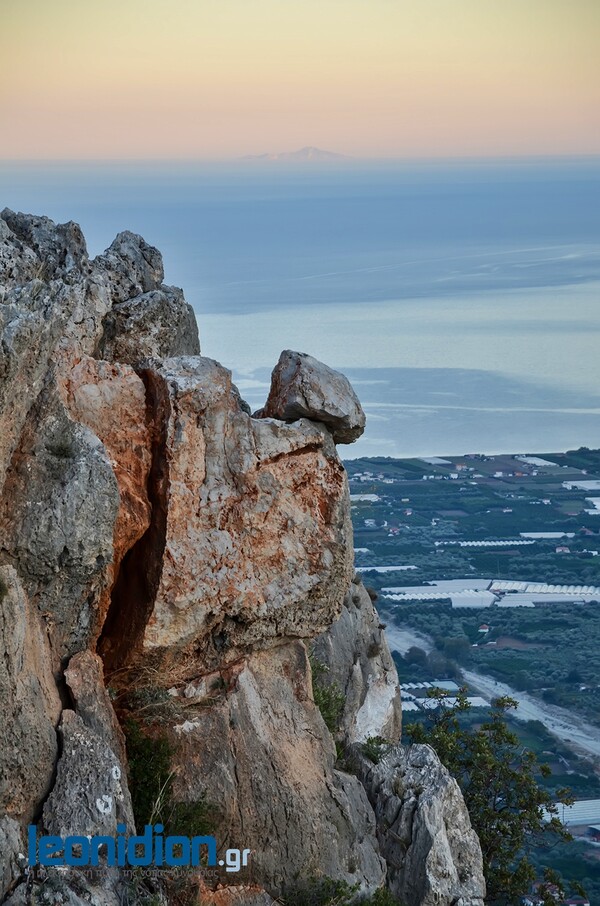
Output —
<point x="222" y="78"/>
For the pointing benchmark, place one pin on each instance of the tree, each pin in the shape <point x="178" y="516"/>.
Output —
<point x="458" y="649"/>
<point x="416" y="655"/>
<point x="510" y="812"/>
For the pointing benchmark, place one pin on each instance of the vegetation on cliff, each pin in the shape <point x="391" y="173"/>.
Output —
<point x="511" y="812"/>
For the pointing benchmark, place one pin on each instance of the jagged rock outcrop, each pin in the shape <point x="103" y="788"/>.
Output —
<point x="57" y="516"/>
<point x="432" y="853"/>
<point x="66" y="485"/>
<point x="52" y="249"/>
<point x="302" y="387"/>
<point x="358" y="662"/>
<point x="31" y="705"/>
<point x="147" y="517"/>
<point x="132" y="267"/>
<point x="153" y="325"/>
<point x="12" y="858"/>
<point x="255" y="527"/>
<point x="90" y="795"/>
<point x="262" y="755"/>
<point x="85" y="680"/>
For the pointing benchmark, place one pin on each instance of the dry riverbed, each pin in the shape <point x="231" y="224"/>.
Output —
<point x="576" y="732"/>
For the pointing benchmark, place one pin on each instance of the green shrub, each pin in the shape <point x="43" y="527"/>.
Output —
<point x="151" y="787"/>
<point x="381" y="897"/>
<point x="150" y="776"/>
<point x="151" y="703"/>
<point x="510" y="811"/>
<point x="321" y="892"/>
<point x="329" y="892"/>
<point x="374" y="748"/>
<point x="328" y="696"/>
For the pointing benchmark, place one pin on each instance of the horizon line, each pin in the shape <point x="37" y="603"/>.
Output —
<point x="342" y="160"/>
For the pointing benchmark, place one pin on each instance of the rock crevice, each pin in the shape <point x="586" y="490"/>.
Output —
<point x="137" y="581"/>
<point x="159" y="543"/>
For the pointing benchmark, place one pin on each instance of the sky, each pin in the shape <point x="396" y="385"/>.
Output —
<point x="222" y="78"/>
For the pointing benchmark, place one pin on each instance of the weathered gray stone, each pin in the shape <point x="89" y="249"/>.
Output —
<point x="264" y="757"/>
<point x="90" y="794"/>
<point x="51" y="312"/>
<point x="303" y="387"/>
<point x="156" y="324"/>
<point x="12" y="854"/>
<point x="18" y="263"/>
<point x="59" y="248"/>
<point x="85" y="679"/>
<point x="355" y="652"/>
<point x="57" y="517"/>
<point x="29" y="704"/>
<point x="432" y="853"/>
<point x="56" y="887"/>
<point x="31" y="323"/>
<point x="131" y="267"/>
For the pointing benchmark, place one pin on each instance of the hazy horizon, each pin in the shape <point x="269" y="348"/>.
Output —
<point x="250" y="159"/>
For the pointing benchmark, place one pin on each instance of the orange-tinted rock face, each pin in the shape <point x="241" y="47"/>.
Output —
<point x="111" y="400"/>
<point x="257" y="536"/>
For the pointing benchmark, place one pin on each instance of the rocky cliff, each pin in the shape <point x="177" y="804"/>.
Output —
<point x="172" y="572"/>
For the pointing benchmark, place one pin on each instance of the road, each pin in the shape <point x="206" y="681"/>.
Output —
<point x="571" y="729"/>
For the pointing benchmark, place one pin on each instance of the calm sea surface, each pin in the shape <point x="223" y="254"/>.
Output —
<point x="463" y="299"/>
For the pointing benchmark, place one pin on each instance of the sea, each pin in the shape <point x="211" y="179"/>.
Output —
<point x="462" y="298"/>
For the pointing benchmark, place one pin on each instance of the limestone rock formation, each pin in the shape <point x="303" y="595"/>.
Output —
<point x="357" y="659"/>
<point x="153" y="325"/>
<point x="31" y="705"/>
<point x="57" y="516"/>
<point x="12" y="858"/>
<point x="254" y="527"/>
<point x="53" y="249"/>
<point x="302" y="387"/>
<point x="85" y="679"/>
<point x="432" y="852"/>
<point x="165" y="558"/>
<point x="132" y="267"/>
<point x="90" y="795"/>
<point x="263" y="757"/>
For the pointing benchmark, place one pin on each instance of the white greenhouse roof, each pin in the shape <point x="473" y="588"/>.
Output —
<point x="582" y="812"/>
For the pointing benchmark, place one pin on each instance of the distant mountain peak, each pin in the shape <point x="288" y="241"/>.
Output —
<point x="308" y="153"/>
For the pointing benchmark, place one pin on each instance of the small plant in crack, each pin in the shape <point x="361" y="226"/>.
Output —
<point x="374" y="748"/>
<point x="151" y="781"/>
<point x="328" y="696"/>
